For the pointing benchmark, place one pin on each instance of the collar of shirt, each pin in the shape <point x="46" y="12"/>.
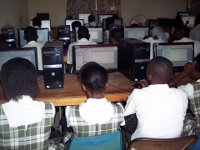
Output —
<point x="25" y="111"/>
<point x="83" y="40"/>
<point x="96" y="111"/>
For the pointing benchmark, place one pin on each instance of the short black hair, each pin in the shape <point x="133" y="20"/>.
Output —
<point x="37" y="22"/>
<point x="161" y="69"/>
<point x="75" y="24"/>
<point x="91" y="18"/>
<point x="94" y="77"/>
<point x="197" y="64"/>
<point x="117" y="33"/>
<point x="30" y="34"/>
<point x="19" y="77"/>
<point x="83" y="32"/>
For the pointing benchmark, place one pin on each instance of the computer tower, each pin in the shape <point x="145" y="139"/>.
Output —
<point x="64" y="36"/>
<point x="9" y="33"/>
<point x="52" y="55"/>
<point x="133" y="57"/>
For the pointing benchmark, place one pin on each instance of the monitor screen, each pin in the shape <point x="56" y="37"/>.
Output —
<point x="188" y="21"/>
<point x="29" y="53"/>
<point x="43" y="36"/>
<point x="84" y="17"/>
<point x="105" y="55"/>
<point x="178" y="53"/>
<point x="118" y="22"/>
<point x="45" y="24"/>
<point x="69" y="22"/>
<point x="96" y="34"/>
<point x="64" y="32"/>
<point x="136" y="32"/>
<point x="103" y="16"/>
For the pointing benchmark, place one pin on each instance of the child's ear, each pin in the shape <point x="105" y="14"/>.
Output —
<point x="149" y="77"/>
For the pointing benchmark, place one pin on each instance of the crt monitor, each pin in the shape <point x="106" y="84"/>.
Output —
<point x="29" y="53"/>
<point x="136" y="32"/>
<point x="105" y="55"/>
<point x="101" y="17"/>
<point x="69" y="22"/>
<point x="96" y="34"/>
<point x="178" y="53"/>
<point x="84" y="17"/>
<point x="43" y="36"/>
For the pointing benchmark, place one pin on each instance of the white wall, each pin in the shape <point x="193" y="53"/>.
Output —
<point x="13" y="13"/>
<point x="56" y="9"/>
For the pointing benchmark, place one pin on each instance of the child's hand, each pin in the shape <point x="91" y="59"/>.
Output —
<point x="187" y="68"/>
<point x="144" y="83"/>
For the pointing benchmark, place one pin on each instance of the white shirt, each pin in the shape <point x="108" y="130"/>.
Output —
<point x="39" y="52"/>
<point x="188" y="89"/>
<point x="196" y="44"/>
<point x="160" y="111"/>
<point x="94" y="111"/>
<point x="82" y="41"/>
<point x="194" y="33"/>
<point x="25" y="111"/>
<point x="152" y="41"/>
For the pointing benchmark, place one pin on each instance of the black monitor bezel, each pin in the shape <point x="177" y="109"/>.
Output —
<point x="176" y="68"/>
<point x="23" y="49"/>
<point x="75" y="71"/>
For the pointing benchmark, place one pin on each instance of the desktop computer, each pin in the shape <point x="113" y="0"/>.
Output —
<point x="9" y="33"/>
<point x="133" y="57"/>
<point x="64" y="36"/>
<point x="52" y="54"/>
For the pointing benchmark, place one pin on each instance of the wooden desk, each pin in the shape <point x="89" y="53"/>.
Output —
<point x="118" y="89"/>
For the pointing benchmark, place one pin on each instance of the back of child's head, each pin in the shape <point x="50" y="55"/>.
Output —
<point x="30" y="34"/>
<point x="160" y="69"/>
<point x="94" y="77"/>
<point x="75" y="24"/>
<point x="37" y="22"/>
<point x="19" y="77"/>
<point x="83" y="32"/>
<point x="197" y="63"/>
<point x="180" y="32"/>
<point x="117" y="34"/>
<point x="91" y="18"/>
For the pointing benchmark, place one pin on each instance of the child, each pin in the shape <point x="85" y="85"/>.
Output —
<point x="97" y="116"/>
<point x="160" y="110"/>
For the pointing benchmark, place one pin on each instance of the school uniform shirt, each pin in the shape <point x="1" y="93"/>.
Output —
<point x="82" y="41"/>
<point x="151" y="40"/>
<point x="91" y="24"/>
<point x="196" y="44"/>
<point x="194" y="33"/>
<point x="192" y="124"/>
<point x="25" y="111"/>
<point x="160" y="111"/>
<point x="94" y="117"/>
<point x="39" y="52"/>
<point x="25" y="124"/>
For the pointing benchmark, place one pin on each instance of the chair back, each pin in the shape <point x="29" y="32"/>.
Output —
<point x="182" y="143"/>
<point x="111" y="141"/>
